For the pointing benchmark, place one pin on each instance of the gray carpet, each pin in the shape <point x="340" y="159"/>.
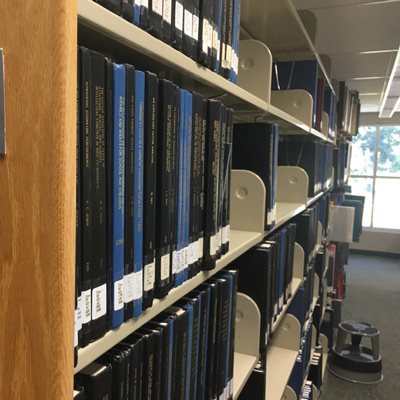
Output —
<point x="372" y="295"/>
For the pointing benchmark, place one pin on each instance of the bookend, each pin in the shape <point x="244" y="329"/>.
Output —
<point x="325" y="124"/>
<point x="296" y="102"/>
<point x="255" y="69"/>
<point x="247" y="201"/>
<point x="289" y="394"/>
<point x="292" y="185"/>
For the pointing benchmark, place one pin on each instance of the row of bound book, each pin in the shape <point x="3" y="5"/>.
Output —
<point x="153" y="182"/>
<point x="266" y="273"/>
<point x="207" y="31"/>
<point x="301" y="366"/>
<point x="185" y="353"/>
<point x="315" y="158"/>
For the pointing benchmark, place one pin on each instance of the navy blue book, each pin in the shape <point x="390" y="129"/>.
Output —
<point x="180" y="215"/>
<point x="174" y="183"/>
<point x="150" y="172"/>
<point x="136" y="14"/>
<point x="297" y="75"/>
<point x="235" y="41"/>
<point x="112" y="5"/>
<point x="138" y="197"/>
<point x="187" y="179"/>
<point x="155" y="17"/>
<point x="118" y="198"/>
<point x="129" y="282"/>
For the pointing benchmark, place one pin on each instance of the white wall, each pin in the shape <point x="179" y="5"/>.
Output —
<point x="375" y="240"/>
<point x="385" y="242"/>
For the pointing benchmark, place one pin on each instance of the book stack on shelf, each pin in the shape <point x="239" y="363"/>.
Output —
<point x="348" y="110"/>
<point x="153" y="183"/>
<point x="206" y="31"/>
<point x="185" y="352"/>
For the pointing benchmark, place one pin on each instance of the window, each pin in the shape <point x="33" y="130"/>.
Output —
<point x="375" y="174"/>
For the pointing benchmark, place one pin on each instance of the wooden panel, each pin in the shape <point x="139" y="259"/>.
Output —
<point x="37" y="196"/>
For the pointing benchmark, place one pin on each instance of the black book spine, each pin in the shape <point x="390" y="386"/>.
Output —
<point x="109" y="186"/>
<point x="177" y="24"/>
<point x="215" y="20"/>
<point x="164" y="182"/>
<point x="150" y="170"/>
<point x="166" y="27"/>
<point x="148" y="364"/>
<point x="227" y="182"/>
<point x="144" y="15"/>
<point x="195" y="30"/>
<point x="112" y="5"/>
<point x="97" y="385"/>
<point x="128" y="10"/>
<point x="129" y="211"/>
<point x="174" y="182"/>
<point x="128" y="379"/>
<point x="226" y="54"/>
<point x="78" y="226"/>
<point x="221" y="180"/>
<point x="211" y="184"/>
<point x="155" y="18"/>
<point x="204" y="18"/>
<point x="188" y="42"/>
<point x="117" y="360"/>
<point x="195" y="185"/>
<point x="86" y="165"/>
<point x="98" y="174"/>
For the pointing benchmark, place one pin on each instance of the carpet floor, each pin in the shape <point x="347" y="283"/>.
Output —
<point x="373" y="296"/>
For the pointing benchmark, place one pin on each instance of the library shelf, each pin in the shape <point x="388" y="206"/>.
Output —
<point x="281" y="354"/>
<point x="102" y="30"/>
<point x="243" y="367"/>
<point x="247" y="341"/>
<point x="278" y="24"/>
<point x="240" y="242"/>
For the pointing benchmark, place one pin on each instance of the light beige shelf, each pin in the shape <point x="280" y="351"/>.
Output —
<point x="277" y="24"/>
<point x="243" y="367"/>
<point x="281" y="356"/>
<point x="240" y="242"/>
<point x="104" y="31"/>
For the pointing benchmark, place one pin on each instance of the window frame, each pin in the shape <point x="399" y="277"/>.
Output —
<point x="374" y="177"/>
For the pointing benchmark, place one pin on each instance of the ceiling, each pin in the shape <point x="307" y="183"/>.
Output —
<point x="361" y="38"/>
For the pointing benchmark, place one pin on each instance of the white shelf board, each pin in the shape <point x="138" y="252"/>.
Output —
<point x="243" y="366"/>
<point x="240" y="242"/>
<point x="284" y="212"/>
<point x="312" y="200"/>
<point x="296" y="282"/>
<point x="103" y="30"/>
<point x="280" y="362"/>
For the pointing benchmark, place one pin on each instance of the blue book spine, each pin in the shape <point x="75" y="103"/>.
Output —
<point x="228" y="342"/>
<point x="188" y="146"/>
<point x="180" y="210"/>
<point x="189" y="307"/>
<point x="138" y="200"/>
<point x="170" y="357"/>
<point x="282" y="247"/>
<point x="274" y="173"/>
<point x="136" y="19"/>
<point x="235" y="41"/>
<point x="197" y="347"/>
<point x="206" y="341"/>
<point x="218" y="66"/>
<point x="118" y="179"/>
